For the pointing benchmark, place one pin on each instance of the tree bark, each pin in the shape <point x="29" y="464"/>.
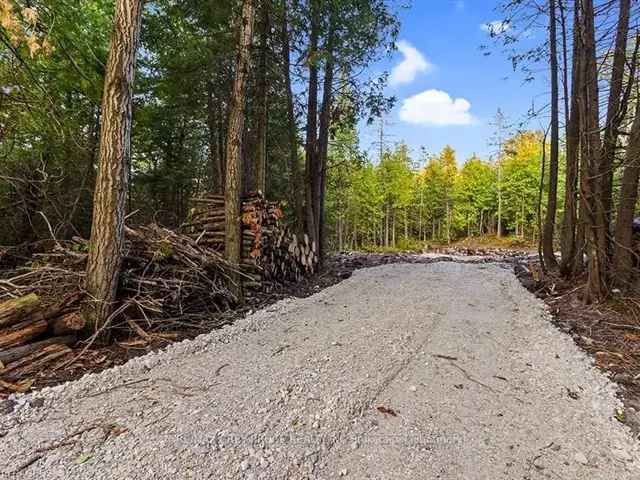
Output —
<point x="311" y="147"/>
<point x="17" y="309"/>
<point x="21" y="333"/>
<point x="261" y="146"/>
<point x="624" y="249"/>
<point x="109" y="203"/>
<point x="614" y="109"/>
<point x="595" y="227"/>
<point x="233" y="180"/>
<point x="16" y="353"/>
<point x="568" y="233"/>
<point x="552" y="199"/>
<point x="295" y="178"/>
<point x="215" y="159"/>
<point x="323" y="141"/>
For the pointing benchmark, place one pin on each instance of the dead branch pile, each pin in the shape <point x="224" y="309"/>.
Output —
<point x="271" y="254"/>
<point x="168" y="283"/>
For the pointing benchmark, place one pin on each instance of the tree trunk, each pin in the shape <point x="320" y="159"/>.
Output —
<point x="568" y="232"/>
<point x="615" y="113"/>
<point x="448" y="223"/>
<point x="406" y="224"/>
<point x="215" y="158"/>
<point x="233" y="184"/>
<point x="16" y="353"/>
<point x="323" y="140"/>
<point x="223" y="118"/>
<point x="296" y="183"/>
<point x="499" y="227"/>
<point x="109" y="203"/>
<point x="552" y="199"/>
<point x="595" y="234"/>
<point x="260" y="165"/>
<point x="386" y="226"/>
<point x="624" y="249"/>
<point x="393" y="230"/>
<point x="311" y="146"/>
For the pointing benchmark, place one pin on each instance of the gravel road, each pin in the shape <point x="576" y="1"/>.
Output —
<point x="441" y="371"/>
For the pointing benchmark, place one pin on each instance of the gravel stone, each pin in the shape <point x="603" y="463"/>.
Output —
<point x="338" y="399"/>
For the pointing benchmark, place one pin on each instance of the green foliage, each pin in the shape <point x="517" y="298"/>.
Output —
<point x="475" y="194"/>
<point x="521" y="179"/>
<point x="392" y="206"/>
<point x="52" y="61"/>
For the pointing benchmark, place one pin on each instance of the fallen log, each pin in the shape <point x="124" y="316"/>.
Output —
<point x="69" y="323"/>
<point x="34" y="362"/>
<point x="16" y="309"/>
<point x="16" y="353"/>
<point x="21" y="333"/>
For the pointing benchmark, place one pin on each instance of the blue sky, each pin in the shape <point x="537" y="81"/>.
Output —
<point x="447" y="90"/>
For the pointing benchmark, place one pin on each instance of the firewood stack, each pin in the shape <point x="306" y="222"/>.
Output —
<point x="271" y="254"/>
<point x="168" y="283"/>
<point x="33" y="335"/>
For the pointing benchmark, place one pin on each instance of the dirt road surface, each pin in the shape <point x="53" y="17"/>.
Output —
<point x="442" y="371"/>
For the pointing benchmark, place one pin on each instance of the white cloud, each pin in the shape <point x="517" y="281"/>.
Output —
<point x="496" y="27"/>
<point x="412" y="64"/>
<point x="435" y="107"/>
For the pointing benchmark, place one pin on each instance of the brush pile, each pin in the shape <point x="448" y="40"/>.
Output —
<point x="171" y="284"/>
<point x="168" y="283"/>
<point x="271" y="254"/>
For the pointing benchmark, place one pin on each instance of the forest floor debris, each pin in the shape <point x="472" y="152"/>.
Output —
<point x="169" y="286"/>
<point x="609" y="332"/>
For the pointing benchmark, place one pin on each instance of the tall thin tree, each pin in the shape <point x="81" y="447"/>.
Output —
<point x="552" y="199"/>
<point x="323" y="137"/>
<point x="234" y="176"/>
<point x="260" y="162"/>
<point x="595" y="229"/>
<point x="297" y="185"/>
<point x="568" y="233"/>
<point x="614" y="109"/>
<point x="109" y="202"/>
<point x="311" y="146"/>
<point x="623" y="253"/>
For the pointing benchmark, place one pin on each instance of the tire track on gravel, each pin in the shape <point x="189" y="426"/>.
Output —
<point x="291" y="393"/>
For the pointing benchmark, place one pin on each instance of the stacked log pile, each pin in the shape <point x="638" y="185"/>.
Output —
<point x="33" y="335"/>
<point x="271" y="253"/>
<point x="168" y="283"/>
